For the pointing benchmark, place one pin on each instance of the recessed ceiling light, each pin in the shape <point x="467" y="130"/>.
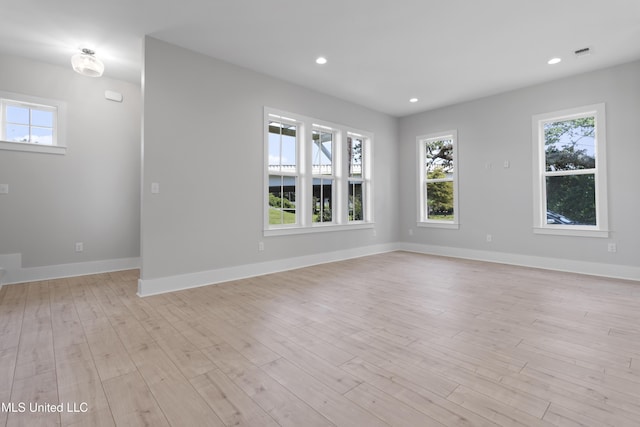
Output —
<point x="554" y="61"/>
<point x="413" y="100"/>
<point x="321" y="60"/>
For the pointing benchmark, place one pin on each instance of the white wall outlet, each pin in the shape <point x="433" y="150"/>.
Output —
<point x="411" y="232"/>
<point x="489" y="238"/>
<point x="79" y="246"/>
<point x="375" y="233"/>
<point x="612" y="247"/>
<point x="4" y="188"/>
<point x="261" y="246"/>
<point x="155" y="188"/>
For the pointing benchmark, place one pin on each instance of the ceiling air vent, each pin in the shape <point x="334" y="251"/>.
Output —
<point x="583" y="52"/>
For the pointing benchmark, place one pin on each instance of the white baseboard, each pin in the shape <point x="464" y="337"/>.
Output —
<point x="148" y="287"/>
<point x="16" y="274"/>
<point x="571" y="266"/>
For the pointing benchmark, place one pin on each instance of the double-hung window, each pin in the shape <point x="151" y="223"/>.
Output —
<point x="322" y="155"/>
<point x="356" y="174"/>
<point x="570" y="172"/>
<point x="438" y="180"/>
<point x="31" y="124"/>
<point x="318" y="175"/>
<point x="282" y="143"/>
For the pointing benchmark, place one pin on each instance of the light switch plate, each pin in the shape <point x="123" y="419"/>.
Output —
<point x="4" y="188"/>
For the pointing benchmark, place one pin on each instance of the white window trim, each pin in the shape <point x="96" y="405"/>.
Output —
<point x="540" y="225"/>
<point x="335" y="172"/>
<point x="60" y="107"/>
<point x="305" y="175"/>
<point x="423" y="220"/>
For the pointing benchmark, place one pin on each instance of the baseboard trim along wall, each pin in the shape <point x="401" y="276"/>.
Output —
<point x="147" y="287"/>
<point x="613" y="271"/>
<point x="16" y="274"/>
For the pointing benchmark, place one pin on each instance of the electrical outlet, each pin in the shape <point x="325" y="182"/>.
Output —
<point x="4" y="188"/>
<point x="612" y="247"/>
<point x="79" y="247"/>
<point x="261" y="246"/>
<point x="411" y="232"/>
<point x="155" y="188"/>
<point x="489" y="238"/>
<point x="375" y="233"/>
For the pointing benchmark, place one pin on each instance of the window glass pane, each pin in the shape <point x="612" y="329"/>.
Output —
<point x="17" y="133"/>
<point x="570" y="144"/>
<point x="282" y="199"/>
<point x="322" y="200"/>
<point x="440" y="201"/>
<point x="19" y="115"/>
<point x="355" y="201"/>
<point x="439" y="158"/>
<point x="571" y="200"/>
<point x="354" y="147"/>
<point x="282" y="146"/>
<point x="42" y="118"/>
<point x="42" y="136"/>
<point x="321" y="152"/>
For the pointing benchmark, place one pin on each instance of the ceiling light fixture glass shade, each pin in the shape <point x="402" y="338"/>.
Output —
<point x="87" y="64"/>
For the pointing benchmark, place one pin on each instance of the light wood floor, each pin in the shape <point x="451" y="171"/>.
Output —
<point x="395" y="339"/>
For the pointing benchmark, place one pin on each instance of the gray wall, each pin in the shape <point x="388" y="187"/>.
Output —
<point x="89" y="195"/>
<point x="499" y="201"/>
<point x="203" y="143"/>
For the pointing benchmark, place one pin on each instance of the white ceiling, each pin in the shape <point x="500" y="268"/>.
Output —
<point x="380" y="52"/>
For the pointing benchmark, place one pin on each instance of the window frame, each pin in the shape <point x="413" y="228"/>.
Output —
<point x="304" y="189"/>
<point x="335" y="161"/>
<point x="540" y="226"/>
<point x="422" y="197"/>
<point x="37" y="103"/>
<point x="362" y="179"/>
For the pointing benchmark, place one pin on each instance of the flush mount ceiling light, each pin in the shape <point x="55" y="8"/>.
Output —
<point x="321" y="60"/>
<point x="87" y="64"/>
<point x="554" y="61"/>
<point x="413" y="100"/>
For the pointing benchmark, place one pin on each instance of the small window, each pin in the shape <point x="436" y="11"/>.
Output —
<point x="355" y="148"/>
<point x="31" y="124"/>
<point x="322" y="154"/>
<point x="438" y="194"/>
<point x="569" y="181"/>
<point x="283" y="172"/>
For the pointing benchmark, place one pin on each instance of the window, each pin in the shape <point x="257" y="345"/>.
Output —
<point x="317" y="175"/>
<point x="438" y="180"/>
<point x="283" y="172"/>
<point x="322" y="139"/>
<point x="31" y="124"/>
<point x="569" y="172"/>
<point x="355" y="152"/>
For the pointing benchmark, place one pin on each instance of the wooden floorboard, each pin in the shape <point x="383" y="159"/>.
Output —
<point x="396" y="339"/>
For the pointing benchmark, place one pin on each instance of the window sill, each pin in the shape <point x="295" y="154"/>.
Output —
<point x="32" y="148"/>
<point x="576" y="232"/>
<point x="434" y="224"/>
<point x="317" y="229"/>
